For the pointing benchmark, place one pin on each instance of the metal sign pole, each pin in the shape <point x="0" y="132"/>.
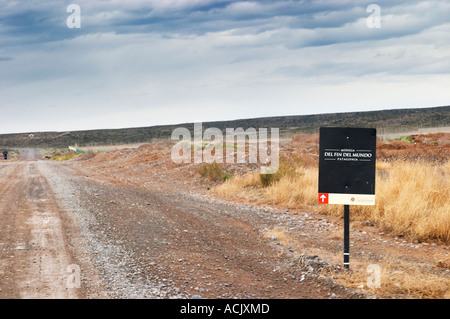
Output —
<point x="347" y="167"/>
<point x="347" y="236"/>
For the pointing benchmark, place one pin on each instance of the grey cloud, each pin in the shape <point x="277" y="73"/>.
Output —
<point x="45" y="21"/>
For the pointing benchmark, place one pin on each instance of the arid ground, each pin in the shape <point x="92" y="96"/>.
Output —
<point x="130" y="223"/>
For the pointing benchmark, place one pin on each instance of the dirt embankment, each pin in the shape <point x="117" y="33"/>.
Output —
<point x="431" y="147"/>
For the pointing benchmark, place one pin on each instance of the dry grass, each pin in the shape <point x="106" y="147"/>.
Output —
<point x="398" y="279"/>
<point x="411" y="198"/>
<point x="287" y="167"/>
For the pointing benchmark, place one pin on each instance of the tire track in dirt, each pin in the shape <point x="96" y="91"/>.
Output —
<point x="33" y="258"/>
<point x="7" y="182"/>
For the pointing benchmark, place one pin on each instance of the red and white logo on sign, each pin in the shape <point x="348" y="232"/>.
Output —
<point x="323" y="198"/>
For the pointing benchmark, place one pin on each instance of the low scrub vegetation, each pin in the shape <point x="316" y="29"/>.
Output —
<point x="287" y="167"/>
<point x="60" y="155"/>
<point x="407" y="139"/>
<point x="213" y="172"/>
<point x="411" y="197"/>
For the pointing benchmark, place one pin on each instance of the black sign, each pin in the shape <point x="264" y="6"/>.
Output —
<point x="347" y="166"/>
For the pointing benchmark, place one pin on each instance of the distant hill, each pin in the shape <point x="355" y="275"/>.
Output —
<point x="386" y="121"/>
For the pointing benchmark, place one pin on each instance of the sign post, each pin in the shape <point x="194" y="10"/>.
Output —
<point x="5" y="155"/>
<point x="347" y="171"/>
<point x="346" y="236"/>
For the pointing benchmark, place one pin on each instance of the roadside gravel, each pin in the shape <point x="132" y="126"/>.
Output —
<point x="114" y="267"/>
<point x="141" y="243"/>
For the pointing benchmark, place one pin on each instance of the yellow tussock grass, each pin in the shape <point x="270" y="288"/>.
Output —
<point x="412" y="198"/>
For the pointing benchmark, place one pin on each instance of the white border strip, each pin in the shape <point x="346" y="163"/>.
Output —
<point x="351" y="199"/>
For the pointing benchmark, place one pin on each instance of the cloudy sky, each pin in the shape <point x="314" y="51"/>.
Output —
<point x="149" y="62"/>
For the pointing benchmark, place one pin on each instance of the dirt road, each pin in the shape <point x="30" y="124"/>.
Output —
<point x="33" y="254"/>
<point x="59" y="225"/>
<point x="29" y="154"/>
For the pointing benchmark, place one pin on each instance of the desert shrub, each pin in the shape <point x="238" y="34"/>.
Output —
<point x="59" y="155"/>
<point x="407" y="139"/>
<point x="226" y="177"/>
<point x="287" y="167"/>
<point x="268" y="179"/>
<point x="213" y="172"/>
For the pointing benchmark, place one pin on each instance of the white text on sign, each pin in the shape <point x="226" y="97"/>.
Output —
<point x="347" y="155"/>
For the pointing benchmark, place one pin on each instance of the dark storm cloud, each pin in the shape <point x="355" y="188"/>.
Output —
<point x="42" y="21"/>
